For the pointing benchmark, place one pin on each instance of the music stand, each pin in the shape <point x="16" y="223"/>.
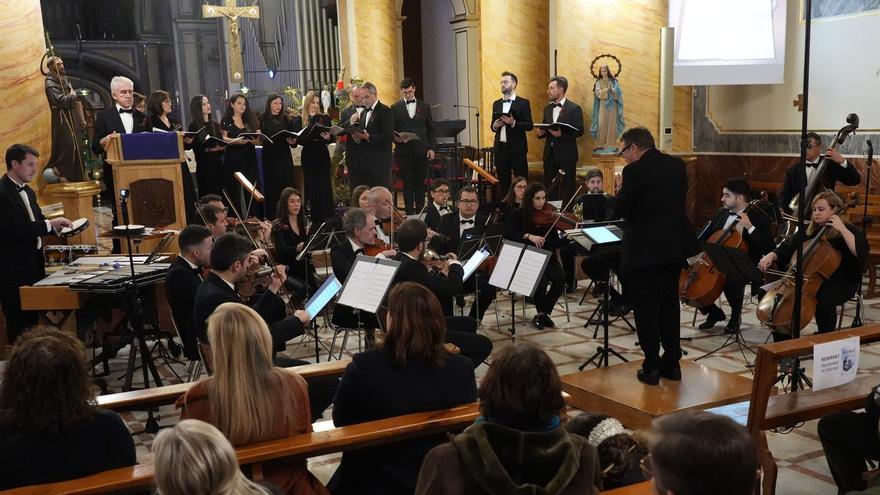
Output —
<point x="601" y="240"/>
<point x="313" y="244"/>
<point x="367" y="284"/>
<point x="450" y="129"/>
<point x="733" y="262"/>
<point x="519" y="269"/>
<point x="471" y="245"/>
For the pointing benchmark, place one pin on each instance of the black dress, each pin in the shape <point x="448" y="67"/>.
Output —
<point x="316" y="169"/>
<point x="97" y="444"/>
<point x="209" y="164"/>
<point x="189" y="189"/>
<point x="277" y="161"/>
<point x="238" y="158"/>
<point x="552" y="283"/>
<point x="298" y="272"/>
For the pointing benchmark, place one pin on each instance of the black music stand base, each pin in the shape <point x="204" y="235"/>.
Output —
<point x="602" y="353"/>
<point x="512" y="328"/>
<point x="797" y="378"/>
<point x="734" y="338"/>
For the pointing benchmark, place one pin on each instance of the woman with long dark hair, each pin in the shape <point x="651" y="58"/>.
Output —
<point x="240" y="154"/>
<point x="50" y="429"/>
<point x="316" y="158"/>
<point x="290" y="234"/>
<point x="277" y="160"/>
<point x="159" y="109"/>
<point x="411" y="371"/>
<point x="514" y="197"/>
<point x="209" y="158"/>
<point x="522" y="228"/>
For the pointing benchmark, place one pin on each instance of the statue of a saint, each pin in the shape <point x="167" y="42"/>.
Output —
<point x="66" y="160"/>
<point x="608" y="122"/>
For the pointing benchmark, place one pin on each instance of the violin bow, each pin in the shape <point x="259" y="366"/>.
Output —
<point x="570" y="201"/>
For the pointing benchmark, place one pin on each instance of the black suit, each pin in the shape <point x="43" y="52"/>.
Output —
<point x="562" y="152"/>
<point x="107" y="121"/>
<point x="412" y="156"/>
<point x="214" y="291"/>
<point x="433" y="217"/>
<point x="449" y="241"/>
<point x="460" y="330"/>
<point x="796" y="178"/>
<point x="181" y="285"/>
<point x="24" y="262"/>
<point x="510" y="156"/>
<point x="342" y="257"/>
<point x="369" y="162"/>
<point x="657" y="239"/>
<point x="760" y="242"/>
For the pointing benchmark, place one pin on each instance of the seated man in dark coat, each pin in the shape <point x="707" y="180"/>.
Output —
<point x="183" y="280"/>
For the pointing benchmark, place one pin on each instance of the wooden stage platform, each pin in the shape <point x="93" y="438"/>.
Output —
<point x="615" y="391"/>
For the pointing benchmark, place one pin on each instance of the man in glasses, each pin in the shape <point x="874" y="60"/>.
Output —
<point x="657" y="239"/>
<point x="440" y="205"/>
<point x="836" y="169"/>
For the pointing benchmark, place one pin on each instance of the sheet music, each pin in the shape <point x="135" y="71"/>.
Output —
<point x="367" y="283"/>
<point x="529" y="271"/>
<point x="506" y="264"/>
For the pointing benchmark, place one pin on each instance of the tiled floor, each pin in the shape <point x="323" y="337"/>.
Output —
<point x="802" y="466"/>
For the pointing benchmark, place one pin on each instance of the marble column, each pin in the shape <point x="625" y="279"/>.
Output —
<point x="27" y="119"/>
<point x="369" y="42"/>
<point x="514" y="36"/>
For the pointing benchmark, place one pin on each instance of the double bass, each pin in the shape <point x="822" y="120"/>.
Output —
<point x="701" y="283"/>
<point x="776" y="308"/>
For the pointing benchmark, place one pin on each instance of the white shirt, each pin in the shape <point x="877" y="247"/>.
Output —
<point x="811" y="171"/>
<point x="370" y="114"/>
<point x="731" y="218"/>
<point x="382" y="235"/>
<point x="27" y="206"/>
<point x="410" y="109"/>
<point x="505" y="108"/>
<point x="191" y="265"/>
<point x="127" y="119"/>
<point x="558" y="110"/>
<point x="465" y="226"/>
<point x="354" y="245"/>
<point x="441" y="212"/>
<point x="230" y="284"/>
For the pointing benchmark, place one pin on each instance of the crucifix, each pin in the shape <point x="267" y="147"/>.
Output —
<point x="232" y="12"/>
<point x="799" y="103"/>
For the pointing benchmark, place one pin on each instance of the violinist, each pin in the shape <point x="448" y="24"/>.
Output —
<point x="457" y="227"/>
<point x="513" y="199"/>
<point x="231" y="257"/>
<point x="444" y="279"/>
<point x="844" y="237"/>
<point x="797" y="175"/>
<point x="290" y="235"/>
<point x="215" y="216"/>
<point x="183" y="279"/>
<point x="382" y="206"/>
<point x="755" y="229"/>
<point x="439" y="206"/>
<point x="360" y="230"/>
<point x="522" y="227"/>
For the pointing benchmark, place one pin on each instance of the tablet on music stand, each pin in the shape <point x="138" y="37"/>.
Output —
<point x="474" y="262"/>
<point x="323" y="295"/>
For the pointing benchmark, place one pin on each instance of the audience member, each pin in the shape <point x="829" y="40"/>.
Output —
<point x="848" y="438"/>
<point x="696" y="452"/>
<point x="194" y="458"/>
<point x="50" y="429"/>
<point x="249" y="399"/>
<point x="411" y="371"/>
<point x="517" y="445"/>
<point x="619" y="453"/>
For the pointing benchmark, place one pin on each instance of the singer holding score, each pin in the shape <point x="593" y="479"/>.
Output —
<point x="21" y="225"/>
<point x="511" y="118"/>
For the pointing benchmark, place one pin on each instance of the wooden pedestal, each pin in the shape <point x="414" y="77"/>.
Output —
<point x="77" y="198"/>
<point x="616" y="391"/>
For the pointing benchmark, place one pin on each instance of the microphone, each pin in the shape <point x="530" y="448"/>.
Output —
<point x="466" y="106"/>
<point x="870" y="146"/>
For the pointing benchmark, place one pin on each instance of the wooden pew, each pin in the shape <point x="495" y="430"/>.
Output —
<point x="160" y="396"/>
<point x="768" y="411"/>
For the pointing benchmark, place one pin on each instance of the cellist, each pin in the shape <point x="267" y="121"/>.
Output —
<point x="755" y="229"/>
<point x="844" y="237"/>
<point x="837" y="170"/>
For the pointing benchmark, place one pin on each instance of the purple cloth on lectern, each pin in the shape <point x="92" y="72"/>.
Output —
<point x="150" y="146"/>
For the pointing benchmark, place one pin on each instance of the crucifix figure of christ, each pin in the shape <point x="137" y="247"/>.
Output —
<point x="232" y="12"/>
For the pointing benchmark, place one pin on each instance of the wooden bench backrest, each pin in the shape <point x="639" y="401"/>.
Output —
<point x="159" y="396"/>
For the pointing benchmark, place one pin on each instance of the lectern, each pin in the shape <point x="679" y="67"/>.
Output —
<point x="148" y="165"/>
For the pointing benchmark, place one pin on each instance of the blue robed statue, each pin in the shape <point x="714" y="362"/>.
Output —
<point x="608" y="122"/>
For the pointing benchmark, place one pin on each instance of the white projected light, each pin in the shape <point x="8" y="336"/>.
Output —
<point x="728" y="41"/>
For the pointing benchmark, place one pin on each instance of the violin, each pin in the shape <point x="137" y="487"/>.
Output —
<point x="820" y="261"/>
<point x="549" y="216"/>
<point x="701" y="283"/>
<point x="435" y="262"/>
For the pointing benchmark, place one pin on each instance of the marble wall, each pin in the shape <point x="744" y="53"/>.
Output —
<point x="514" y="37"/>
<point x="370" y="44"/>
<point x="21" y="47"/>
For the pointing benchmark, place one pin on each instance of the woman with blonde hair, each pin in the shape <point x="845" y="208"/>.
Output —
<point x="248" y="398"/>
<point x="316" y="158"/>
<point x="194" y="458"/>
<point x="411" y="371"/>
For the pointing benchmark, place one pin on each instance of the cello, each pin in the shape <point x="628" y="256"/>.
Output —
<point x="701" y="283"/>
<point x="776" y="308"/>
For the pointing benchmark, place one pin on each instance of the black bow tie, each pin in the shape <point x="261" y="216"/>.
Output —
<point x="506" y="101"/>
<point x="471" y="221"/>
<point x="410" y="102"/>
<point x="732" y="213"/>
<point x="126" y="110"/>
<point x="812" y="165"/>
<point x="359" y="251"/>
<point x="441" y="208"/>
<point x="197" y="270"/>
<point x="557" y="105"/>
<point x="19" y="188"/>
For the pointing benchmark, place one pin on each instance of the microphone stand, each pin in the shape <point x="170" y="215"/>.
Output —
<point x="477" y="115"/>
<point x="866" y="220"/>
